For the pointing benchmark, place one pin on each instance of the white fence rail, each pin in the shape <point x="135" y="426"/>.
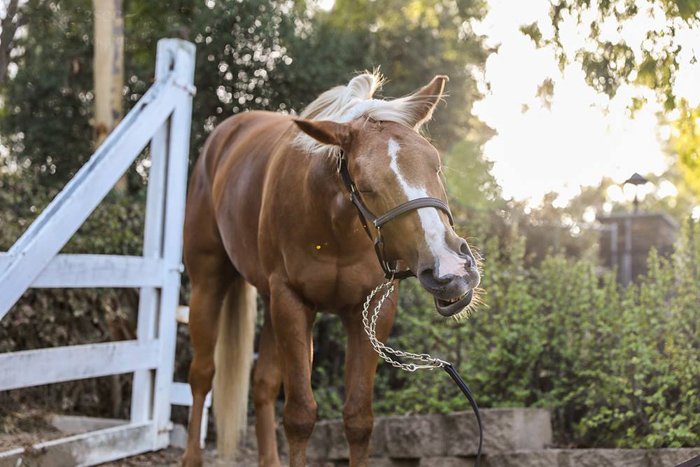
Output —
<point x="86" y="271"/>
<point x="43" y="366"/>
<point x="162" y="117"/>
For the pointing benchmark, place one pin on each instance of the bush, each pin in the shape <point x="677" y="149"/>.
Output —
<point x="619" y="367"/>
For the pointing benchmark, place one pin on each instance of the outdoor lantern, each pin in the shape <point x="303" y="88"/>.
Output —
<point x="632" y="188"/>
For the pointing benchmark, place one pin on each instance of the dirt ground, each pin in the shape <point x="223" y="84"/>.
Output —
<point x="25" y="428"/>
<point x="169" y="457"/>
<point x="28" y="427"/>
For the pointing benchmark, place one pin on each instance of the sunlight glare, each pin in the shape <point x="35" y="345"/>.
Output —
<point x="325" y="5"/>
<point x="583" y="136"/>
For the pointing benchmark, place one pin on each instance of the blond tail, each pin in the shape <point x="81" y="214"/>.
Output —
<point x="233" y="357"/>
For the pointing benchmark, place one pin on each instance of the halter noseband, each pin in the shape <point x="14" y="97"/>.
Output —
<point x="389" y="267"/>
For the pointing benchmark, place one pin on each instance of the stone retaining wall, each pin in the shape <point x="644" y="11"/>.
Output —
<point x="512" y="438"/>
<point x="400" y="441"/>
<point x="594" y="458"/>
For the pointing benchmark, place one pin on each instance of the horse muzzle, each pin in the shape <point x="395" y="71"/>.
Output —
<point x="452" y="293"/>
<point x="451" y="307"/>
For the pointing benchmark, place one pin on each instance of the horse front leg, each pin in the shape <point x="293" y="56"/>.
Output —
<point x="360" y="368"/>
<point x="292" y="322"/>
<point x="205" y="307"/>
<point x="267" y="378"/>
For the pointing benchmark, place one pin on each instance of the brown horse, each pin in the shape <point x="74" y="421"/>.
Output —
<point x="267" y="210"/>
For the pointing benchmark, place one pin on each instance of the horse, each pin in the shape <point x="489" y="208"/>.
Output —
<point x="270" y="210"/>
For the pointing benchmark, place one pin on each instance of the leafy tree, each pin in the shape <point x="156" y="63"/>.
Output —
<point x="47" y="104"/>
<point x="411" y="42"/>
<point x="468" y="177"/>
<point x="258" y="54"/>
<point x="609" y="59"/>
<point x="686" y="143"/>
<point x="9" y="24"/>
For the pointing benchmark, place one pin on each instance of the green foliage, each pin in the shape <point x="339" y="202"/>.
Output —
<point x="413" y="41"/>
<point x="468" y="177"/>
<point x="686" y="144"/>
<point x="619" y="367"/>
<point x="258" y="54"/>
<point x="47" y="105"/>
<point x="609" y="63"/>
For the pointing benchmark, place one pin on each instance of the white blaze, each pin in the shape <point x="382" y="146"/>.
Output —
<point x="433" y="227"/>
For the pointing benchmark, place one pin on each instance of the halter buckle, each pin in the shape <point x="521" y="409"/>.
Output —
<point x="340" y="158"/>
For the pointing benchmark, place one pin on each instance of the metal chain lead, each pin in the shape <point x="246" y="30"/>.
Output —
<point x="389" y="354"/>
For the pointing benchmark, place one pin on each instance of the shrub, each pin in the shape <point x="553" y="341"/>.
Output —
<point x="618" y="366"/>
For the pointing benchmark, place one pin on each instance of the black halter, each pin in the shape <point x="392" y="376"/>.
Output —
<point x="389" y="267"/>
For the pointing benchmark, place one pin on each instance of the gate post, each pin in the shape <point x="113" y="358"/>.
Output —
<point x="165" y="210"/>
<point x="149" y="297"/>
<point x="178" y="141"/>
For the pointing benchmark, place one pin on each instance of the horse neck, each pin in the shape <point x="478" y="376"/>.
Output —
<point x="323" y="183"/>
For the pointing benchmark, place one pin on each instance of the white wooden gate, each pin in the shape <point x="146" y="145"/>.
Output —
<point x="162" y="117"/>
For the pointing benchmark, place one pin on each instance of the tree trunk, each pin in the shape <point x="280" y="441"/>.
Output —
<point x="108" y="84"/>
<point x="108" y="70"/>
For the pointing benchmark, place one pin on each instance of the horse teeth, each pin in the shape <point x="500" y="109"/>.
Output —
<point x="455" y="300"/>
<point x="458" y="298"/>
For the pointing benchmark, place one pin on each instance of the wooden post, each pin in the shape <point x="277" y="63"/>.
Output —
<point x="108" y="66"/>
<point x="108" y="70"/>
<point x="149" y="297"/>
<point x="181" y="53"/>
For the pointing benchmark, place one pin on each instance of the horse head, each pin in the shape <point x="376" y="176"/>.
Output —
<point x="392" y="164"/>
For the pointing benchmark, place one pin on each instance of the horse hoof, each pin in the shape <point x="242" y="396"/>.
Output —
<point x="191" y="460"/>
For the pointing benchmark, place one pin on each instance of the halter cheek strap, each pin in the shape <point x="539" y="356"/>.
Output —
<point x="366" y="215"/>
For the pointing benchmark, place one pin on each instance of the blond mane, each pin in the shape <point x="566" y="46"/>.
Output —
<point x="342" y="104"/>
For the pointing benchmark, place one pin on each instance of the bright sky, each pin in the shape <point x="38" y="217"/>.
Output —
<point x="583" y="136"/>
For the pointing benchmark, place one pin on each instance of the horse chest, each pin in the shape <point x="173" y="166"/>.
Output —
<point x="329" y="285"/>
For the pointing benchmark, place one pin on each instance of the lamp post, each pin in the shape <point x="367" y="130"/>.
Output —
<point x="635" y="181"/>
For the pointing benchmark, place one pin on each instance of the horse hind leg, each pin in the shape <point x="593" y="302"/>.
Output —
<point x="210" y="279"/>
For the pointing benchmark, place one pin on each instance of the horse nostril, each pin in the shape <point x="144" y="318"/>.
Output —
<point x="430" y="278"/>
<point x="470" y="262"/>
<point x="426" y="275"/>
<point x="466" y="253"/>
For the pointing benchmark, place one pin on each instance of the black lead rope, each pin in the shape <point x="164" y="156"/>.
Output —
<point x="462" y="385"/>
<point x="420" y="361"/>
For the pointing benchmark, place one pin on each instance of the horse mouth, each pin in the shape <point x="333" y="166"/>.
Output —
<point x="453" y="306"/>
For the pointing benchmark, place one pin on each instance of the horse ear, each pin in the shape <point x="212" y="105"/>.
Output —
<point x="325" y="131"/>
<point x="422" y="103"/>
